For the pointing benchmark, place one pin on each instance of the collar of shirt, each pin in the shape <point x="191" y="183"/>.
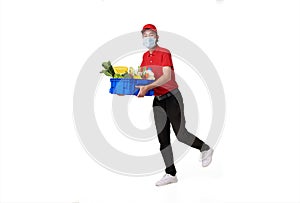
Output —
<point x="153" y="52"/>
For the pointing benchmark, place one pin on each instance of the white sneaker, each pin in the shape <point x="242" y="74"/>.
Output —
<point x="207" y="157"/>
<point x="167" y="179"/>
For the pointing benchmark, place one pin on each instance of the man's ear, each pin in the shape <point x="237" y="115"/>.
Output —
<point x="157" y="37"/>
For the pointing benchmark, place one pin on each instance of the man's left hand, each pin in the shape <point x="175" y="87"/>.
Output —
<point x="143" y="91"/>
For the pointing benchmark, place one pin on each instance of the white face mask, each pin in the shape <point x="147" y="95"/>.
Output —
<point x="149" y="42"/>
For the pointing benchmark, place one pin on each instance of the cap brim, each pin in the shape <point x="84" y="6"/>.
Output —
<point x="149" y="29"/>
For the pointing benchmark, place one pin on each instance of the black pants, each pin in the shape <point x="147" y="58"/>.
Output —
<point x="171" y="111"/>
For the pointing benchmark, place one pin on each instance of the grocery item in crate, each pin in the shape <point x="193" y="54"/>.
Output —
<point x="125" y="72"/>
<point x="124" y="80"/>
<point x="126" y="86"/>
<point x="150" y="74"/>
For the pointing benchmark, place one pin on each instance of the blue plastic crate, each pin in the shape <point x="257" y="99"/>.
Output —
<point x="127" y="86"/>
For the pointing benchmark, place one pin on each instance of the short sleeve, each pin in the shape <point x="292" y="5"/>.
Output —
<point x="167" y="60"/>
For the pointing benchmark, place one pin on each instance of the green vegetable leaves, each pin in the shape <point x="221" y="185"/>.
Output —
<point x="108" y="69"/>
<point x="118" y="75"/>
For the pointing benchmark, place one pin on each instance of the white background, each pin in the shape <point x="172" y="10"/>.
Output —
<point x="255" y="47"/>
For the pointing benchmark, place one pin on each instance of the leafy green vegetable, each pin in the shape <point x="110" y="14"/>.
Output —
<point x="108" y="69"/>
<point x="118" y="75"/>
<point x="127" y="75"/>
<point x="107" y="74"/>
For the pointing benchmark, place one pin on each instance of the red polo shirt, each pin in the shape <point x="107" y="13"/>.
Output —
<point x="159" y="58"/>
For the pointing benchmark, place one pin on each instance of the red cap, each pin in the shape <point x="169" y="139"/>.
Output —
<point x="149" y="26"/>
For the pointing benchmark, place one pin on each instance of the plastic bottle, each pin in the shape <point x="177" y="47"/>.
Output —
<point x="150" y="74"/>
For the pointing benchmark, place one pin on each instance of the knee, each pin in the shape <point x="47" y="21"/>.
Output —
<point x="181" y="135"/>
<point x="164" y="145"/>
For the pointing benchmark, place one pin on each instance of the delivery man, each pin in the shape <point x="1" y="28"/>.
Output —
<point x="168" y="106"/>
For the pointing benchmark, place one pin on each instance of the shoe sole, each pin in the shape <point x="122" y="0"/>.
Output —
<point x="207" y="164"/>
<point x="167" y="183"/>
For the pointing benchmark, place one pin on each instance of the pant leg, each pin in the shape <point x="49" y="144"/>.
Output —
<point x="175" y="113"/>
<point x="162" y="124"/>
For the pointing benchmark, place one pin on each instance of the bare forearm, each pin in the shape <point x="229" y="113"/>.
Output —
<point x="164" y="78"/>
<point x="159" y="82"/>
